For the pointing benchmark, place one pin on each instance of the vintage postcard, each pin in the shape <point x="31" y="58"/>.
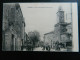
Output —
<point x="40" y="27"/>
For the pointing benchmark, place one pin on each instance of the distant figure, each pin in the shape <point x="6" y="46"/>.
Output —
<point x="43" y="48"/>
<point x="48" y="48"/>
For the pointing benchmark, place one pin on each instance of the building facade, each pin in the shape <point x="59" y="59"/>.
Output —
<point x="49" y="38"/>
<point x="63" y="30"/>
<point x="62" y="34"/>
<point x="13" y="27"/>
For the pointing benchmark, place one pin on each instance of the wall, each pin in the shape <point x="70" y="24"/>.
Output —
<point x="12" y="24"/>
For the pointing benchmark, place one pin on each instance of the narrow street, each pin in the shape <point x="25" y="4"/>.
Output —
<point x="38" y="49"/>
<point x="24" y="49"/>
<point x="41" y="49"/>
<point x="51" y="50"/>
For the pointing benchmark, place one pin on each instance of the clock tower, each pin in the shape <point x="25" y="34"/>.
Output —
<point x="60" y="27"/>
<point x="60" y="15"/>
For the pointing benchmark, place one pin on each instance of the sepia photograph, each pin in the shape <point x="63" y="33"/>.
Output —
<point x="51" y="27"/>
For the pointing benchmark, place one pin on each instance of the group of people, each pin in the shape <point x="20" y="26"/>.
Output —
<point x="46" y="48"/>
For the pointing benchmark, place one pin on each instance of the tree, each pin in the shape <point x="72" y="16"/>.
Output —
<point x="34" y="37"/>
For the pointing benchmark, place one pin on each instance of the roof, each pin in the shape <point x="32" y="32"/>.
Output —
<point x="52" y="32"/>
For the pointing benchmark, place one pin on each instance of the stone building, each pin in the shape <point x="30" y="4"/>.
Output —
<point x="49" y="38"/>
<point x="62" y="32"/>
<point x="26" y="38"/>
<point x="69" y="33"/>
<point x="13" y="27"/>
<point x="62" y="29"/>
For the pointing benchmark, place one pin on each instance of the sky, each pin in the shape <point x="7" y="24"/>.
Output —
<point x="42" y="16"/>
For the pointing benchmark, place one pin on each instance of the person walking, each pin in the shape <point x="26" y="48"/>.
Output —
<point x="43" y="48"/>
<point x="48" y="48"/>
